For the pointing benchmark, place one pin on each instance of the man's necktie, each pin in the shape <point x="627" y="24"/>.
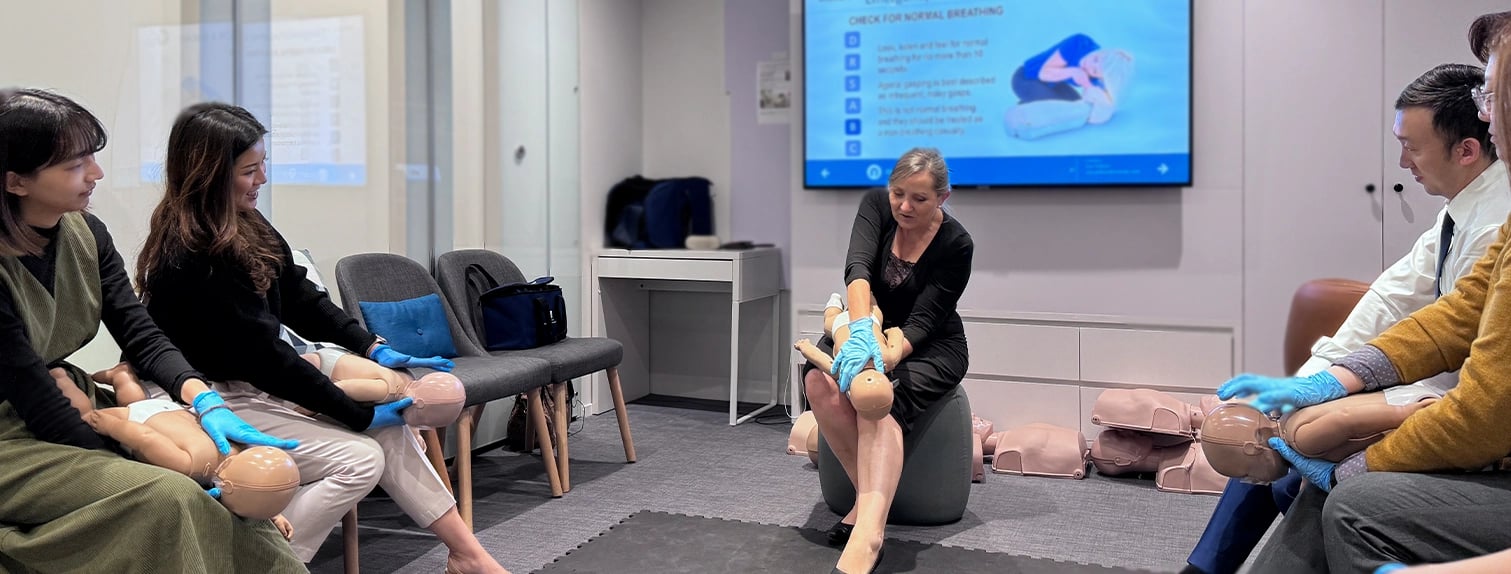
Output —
<point x="1445" y="240"/>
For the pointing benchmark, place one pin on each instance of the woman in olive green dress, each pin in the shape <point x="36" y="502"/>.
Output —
<point x="67" y="502"/>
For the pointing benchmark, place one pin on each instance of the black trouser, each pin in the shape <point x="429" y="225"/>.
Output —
<point x="1381" y="517"/>
<point x="1032" y="89"/>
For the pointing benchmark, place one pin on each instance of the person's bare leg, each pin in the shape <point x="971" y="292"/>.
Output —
<point x="467" y="555"/>
<point x="836" y="422"/>
<point x="880" y="465"/>
<point x="71" y="391"/>
<point x="839" y="431"/>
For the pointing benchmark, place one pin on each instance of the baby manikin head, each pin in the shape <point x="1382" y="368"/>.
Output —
<point x="871" y="394"/>
<point x="1235" y="437"/>
<point x="257" y="483"/>
<point x="438" y="400"/>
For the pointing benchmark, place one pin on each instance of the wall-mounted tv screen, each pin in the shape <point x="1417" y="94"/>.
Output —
<point x="1013" y="92"/>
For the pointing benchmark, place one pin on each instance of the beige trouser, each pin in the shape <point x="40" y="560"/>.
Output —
<point x="338" y="467"/>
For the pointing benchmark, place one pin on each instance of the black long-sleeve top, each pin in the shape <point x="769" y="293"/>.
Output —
<point x="923" y="305"/>
<point x="24" y="380"/>
<point x="210" y="308"/>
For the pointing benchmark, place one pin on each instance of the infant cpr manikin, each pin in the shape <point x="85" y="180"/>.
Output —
<point x="438" y="397"/>
<point x="1154" y="432"/>
<point x="1040" y="449"/>
<point x="797" y="439"/>
<point x="438" y="400"/>
<point x="982" y="429"/>
<point x="870" y="391"/>
<point x="255" y="483"/>
<point x="1236" y="434"/>
<point x="1147" y="410"/>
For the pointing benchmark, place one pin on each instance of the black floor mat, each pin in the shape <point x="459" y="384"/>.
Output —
<point x="657" y="542"/>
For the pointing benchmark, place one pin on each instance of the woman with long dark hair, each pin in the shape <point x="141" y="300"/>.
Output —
<point x="69" y="502"/>
<point x="221" y="282"/>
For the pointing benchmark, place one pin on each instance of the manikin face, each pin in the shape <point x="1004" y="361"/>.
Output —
<point x="249" y="175"/>
<point x="1426" y="154"/>
<point x="915" y="204"/>
<point x="57" y="189"/>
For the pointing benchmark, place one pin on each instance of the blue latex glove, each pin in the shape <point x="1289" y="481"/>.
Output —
<point x="1284" y="395"/>
<point x="390" y="414"/>
<point x="223" y="425"/>
<point x="1315" y="470"/>
<point x="1390" y="567"/>
<point x="852" y="356"/>
<point x="214" y="493"/>
<point x="388" y="357"/>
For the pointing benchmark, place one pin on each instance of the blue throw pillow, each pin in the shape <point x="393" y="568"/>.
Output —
<point x="415" y="327"/>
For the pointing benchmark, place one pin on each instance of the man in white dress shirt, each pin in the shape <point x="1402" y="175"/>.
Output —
<point x="1446" y="147"/>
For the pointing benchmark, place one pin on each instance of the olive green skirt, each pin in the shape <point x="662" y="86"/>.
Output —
<point x="67" y="509"/>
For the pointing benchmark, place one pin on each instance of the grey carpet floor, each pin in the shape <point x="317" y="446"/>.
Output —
<point x="698" y="544"/>
<point x="692" y="462"/>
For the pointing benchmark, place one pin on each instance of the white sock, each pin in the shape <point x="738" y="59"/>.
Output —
<point x="835" y="301"/>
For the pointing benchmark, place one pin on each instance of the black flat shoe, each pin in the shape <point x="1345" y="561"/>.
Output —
<point x="839" y="534"/>
<point x="880" y="553"/>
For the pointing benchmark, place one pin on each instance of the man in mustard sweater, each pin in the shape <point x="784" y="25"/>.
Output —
<point x="1435" y="111"/>
<point x="1433" y="490"/>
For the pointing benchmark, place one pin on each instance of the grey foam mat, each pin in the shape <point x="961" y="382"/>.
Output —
<point x="659" y="542"/>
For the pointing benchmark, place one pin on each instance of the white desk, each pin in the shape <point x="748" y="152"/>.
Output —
<point x="623" y="277"/>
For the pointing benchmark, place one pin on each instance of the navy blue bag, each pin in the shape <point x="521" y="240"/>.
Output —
<point x="517" y="315"/>
<point x="676" y="208"/>
<point x="658" y="214"/>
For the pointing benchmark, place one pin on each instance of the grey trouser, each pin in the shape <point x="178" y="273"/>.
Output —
<point x="338" y="467"/>
<point x="1382" y="517"/>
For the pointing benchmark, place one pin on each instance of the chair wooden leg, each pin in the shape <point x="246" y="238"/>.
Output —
<point x="477" y="415"/>
<point x="349" y="541"/>
<point x="563" y="464"/>
<point x="434" y="452"/>
<point x="547" y="454"/>
<point x="464" y="467"/>
<point x="622" y="414"/>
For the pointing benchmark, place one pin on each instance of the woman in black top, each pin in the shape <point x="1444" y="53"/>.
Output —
<point x="915" y="259"/>
<point x="221" y="282"/>
<point x="69" y="503"/>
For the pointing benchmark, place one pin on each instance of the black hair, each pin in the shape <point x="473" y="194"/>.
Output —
<point x="38" y="129"/>
<point x="1446" y="91"/>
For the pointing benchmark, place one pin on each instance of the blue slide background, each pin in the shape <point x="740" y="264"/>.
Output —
<point x="1150" y="130"/>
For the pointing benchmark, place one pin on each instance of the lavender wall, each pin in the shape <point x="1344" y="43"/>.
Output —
<point x="760" y="168"/>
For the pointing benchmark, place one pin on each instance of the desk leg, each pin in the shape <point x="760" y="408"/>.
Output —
<point x="734" y="367"/>
<point x="734" y="361"/>
<point x="776" y="349"/>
